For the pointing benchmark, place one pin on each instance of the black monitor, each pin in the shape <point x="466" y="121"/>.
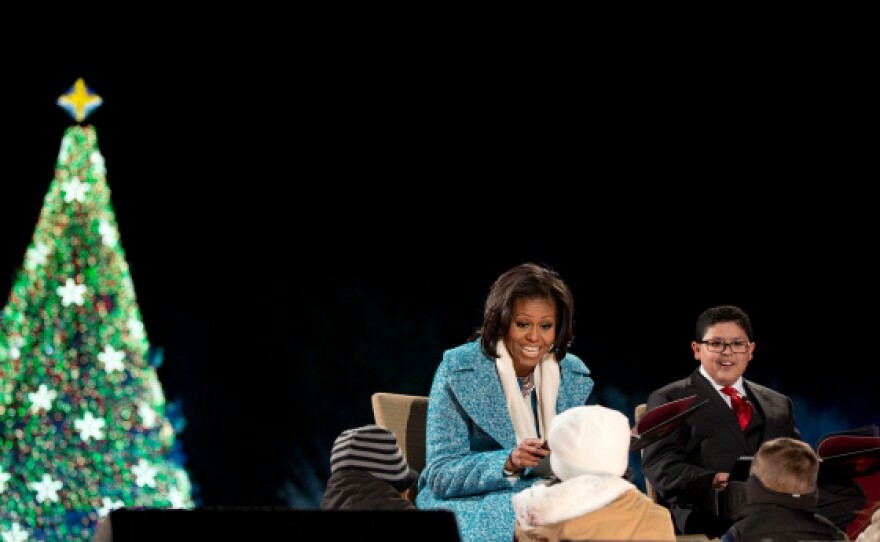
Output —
<point x="282" y="524"/>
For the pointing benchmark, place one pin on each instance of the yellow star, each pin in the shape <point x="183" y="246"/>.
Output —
<point x="79" y="100"/>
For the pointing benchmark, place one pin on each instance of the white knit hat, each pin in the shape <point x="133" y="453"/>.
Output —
<point x="374" y="449"/>
<point x="589" y="439"/>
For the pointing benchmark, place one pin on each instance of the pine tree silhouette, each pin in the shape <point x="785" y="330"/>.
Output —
<point x="84" y="424"/>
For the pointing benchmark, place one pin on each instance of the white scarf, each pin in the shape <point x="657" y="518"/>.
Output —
<point x="546" y="386"/>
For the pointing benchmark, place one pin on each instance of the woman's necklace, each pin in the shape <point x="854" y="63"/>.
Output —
<point x="527" y="384"/>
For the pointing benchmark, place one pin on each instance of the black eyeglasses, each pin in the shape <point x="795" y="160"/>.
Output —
<point x="717" y="346"/>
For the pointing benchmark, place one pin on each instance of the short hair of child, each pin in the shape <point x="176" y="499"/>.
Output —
<point x="786" y="465"/>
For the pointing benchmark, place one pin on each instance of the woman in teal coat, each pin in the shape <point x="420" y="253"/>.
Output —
<point x="492" y="399"/>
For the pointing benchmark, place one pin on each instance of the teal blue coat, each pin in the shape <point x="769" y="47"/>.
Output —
<point x="469" y="436"/>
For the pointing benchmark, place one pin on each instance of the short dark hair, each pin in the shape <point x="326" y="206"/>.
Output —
<point x="526" y="281"/>
<point x="723" y="313"/>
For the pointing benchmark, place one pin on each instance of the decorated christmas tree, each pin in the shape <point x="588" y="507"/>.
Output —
<point x="84" y="424"/>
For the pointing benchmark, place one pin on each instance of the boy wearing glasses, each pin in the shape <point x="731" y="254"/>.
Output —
<point x="690" y="467"/>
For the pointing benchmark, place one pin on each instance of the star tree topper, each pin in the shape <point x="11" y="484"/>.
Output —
<point x="79" y="101"/>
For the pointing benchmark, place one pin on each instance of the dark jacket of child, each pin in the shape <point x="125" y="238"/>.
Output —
<point x="780" y="517"/>
<point x="360" y="490"/>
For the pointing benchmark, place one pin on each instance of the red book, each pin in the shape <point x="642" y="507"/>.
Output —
<point x="843" y="455"/>
<point x="849" y="454"/>
<point x="662" y="420"/>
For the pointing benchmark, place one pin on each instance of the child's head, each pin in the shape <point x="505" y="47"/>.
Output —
<point x="373" y="449"/>
<point x="589" y="439"/>
<point x="786" y="465"/>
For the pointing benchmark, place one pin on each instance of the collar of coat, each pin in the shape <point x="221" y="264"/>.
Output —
<point x="544" y="504"/>
<point x="757" y="492"/>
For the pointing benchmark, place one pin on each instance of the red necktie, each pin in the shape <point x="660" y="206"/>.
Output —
<point x="742" y="407"/>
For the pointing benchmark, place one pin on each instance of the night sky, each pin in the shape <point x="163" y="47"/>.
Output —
<point x="301" y="238"/>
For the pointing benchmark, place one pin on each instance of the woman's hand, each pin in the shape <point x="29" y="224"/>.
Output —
<point x="527" y="453"/>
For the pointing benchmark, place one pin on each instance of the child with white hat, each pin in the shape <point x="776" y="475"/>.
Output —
<point x="589" y="453"/>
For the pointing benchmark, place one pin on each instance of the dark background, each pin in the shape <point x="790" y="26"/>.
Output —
<point x="310" y="226"/>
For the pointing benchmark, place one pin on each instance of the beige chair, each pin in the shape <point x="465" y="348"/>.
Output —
<point x="405" y="416"/>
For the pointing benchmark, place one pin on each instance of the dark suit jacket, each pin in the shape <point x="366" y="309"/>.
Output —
<point x="682" y="465"/>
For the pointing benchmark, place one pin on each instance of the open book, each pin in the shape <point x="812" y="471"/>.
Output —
<point x="662" y="420"/>
<point x="847" y="454"/>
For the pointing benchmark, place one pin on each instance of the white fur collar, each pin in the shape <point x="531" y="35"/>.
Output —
<point x="545" y="505"/>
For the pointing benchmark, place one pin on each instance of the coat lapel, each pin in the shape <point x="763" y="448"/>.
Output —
<point x="477" y="389"/>
<point x="720" y="409"/>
